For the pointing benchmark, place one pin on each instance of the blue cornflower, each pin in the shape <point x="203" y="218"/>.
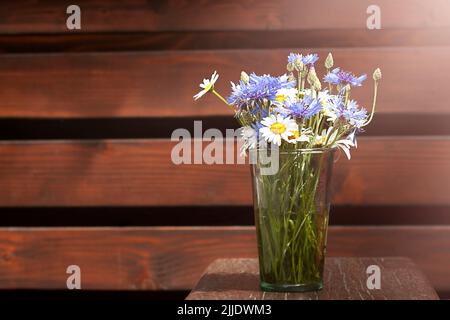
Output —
<point x="355" y="116"/>
<point x="351" y="112"/>
<point x="258" y="87"/>
<point x="292" y="57"/>
<point x="256" y="126"/>
<point x="238" y="96"/>
<point x="304" y="108"/>
<point x="340" y="77"/>
<point x="259" y="111"/>
<point x="309" y="59"/>
<point x="337" y="106"/>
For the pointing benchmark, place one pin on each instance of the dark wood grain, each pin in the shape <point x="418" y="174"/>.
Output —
<point x="213" y="40"/>
<point x="344" y="279"/>
<point x="347" y="215"/>
<point x="384" y="125"/>
<point x="161" y="84"/>
<point x="25" y="16"/>
<point x="173" y="258"/>
<point x="383" y="171"/>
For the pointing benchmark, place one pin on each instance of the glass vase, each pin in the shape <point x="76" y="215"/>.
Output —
<point x="291" y="215"/>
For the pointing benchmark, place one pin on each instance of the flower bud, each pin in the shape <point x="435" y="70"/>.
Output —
<point x="313" y="80"/>
<point x="291" y="77"/>
<point x="290" y="67"/>
<point x="299" y="64"/>
<point x="377" y="74"/>
<point x="317" y="85"/>
<point x="245" y="77"/>
<point x="329" y="61"/>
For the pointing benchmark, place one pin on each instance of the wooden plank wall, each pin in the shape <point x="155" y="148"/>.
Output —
<point x="86" y="117"/>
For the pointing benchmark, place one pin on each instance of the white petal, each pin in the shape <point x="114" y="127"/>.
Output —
<point x="200" y="94"/>
<point x="303" y="138"/>
<point x="214" y="77"/>
<point x="346" y="151"/>
<point x="277" y="140"/>
<point x="264" y="130"/>
<point x="267" y="121"/>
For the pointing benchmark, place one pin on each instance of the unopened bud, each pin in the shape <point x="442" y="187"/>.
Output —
<point x="291" y="77"/>
<point x="245" y="77"/>
<point x="377" y="74"/>
<point x="329" y="61"/>
<point x="290" y="67"/>
<point x="313" y="80"/>
<point x="317" y="85"/>
<point x="299" y="64"/>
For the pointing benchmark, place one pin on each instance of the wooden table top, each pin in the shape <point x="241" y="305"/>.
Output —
<point x="344" y="278"/>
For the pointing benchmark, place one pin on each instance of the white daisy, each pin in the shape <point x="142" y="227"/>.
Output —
<point x="327" y="139"/>
<point x="296" y="136"/>
<point x="207" y="85"/>
<point x="331" y="116"/>
<point x="285" y="94"/>
<point x="276" y="128"/>
<point x="324" y="97"/>
<point x="320" y="140"/>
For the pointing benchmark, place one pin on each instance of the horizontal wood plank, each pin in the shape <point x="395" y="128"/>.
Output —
<point x="161" y="84"/>
<point x="383" y="171"/>
<point x="24" y="16"/>
<point x="168" y="258"/>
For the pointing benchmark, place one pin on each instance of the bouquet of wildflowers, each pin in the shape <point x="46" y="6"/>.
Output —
<point x="307" y="120"/>
<point x="295" y="110"/>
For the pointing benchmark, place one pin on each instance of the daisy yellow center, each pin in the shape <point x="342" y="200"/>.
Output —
<point x="321" y="140"/>
<point x="280" y="98"/>
<point x="278" y="128"/>
<point x="295" y="135"/>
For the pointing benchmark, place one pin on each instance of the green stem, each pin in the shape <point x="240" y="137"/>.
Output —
<point x="291" y="229"/>
<point x="329" y="84"/>
<point x="223" y="99"/>
<point x="375" y="93"/>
